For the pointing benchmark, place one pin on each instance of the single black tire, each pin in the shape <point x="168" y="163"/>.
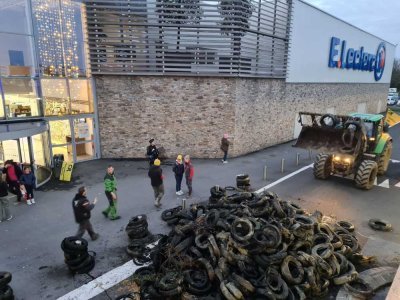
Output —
<point x="74" y="243"/>
<point x="88" y="260"/>
<point x="76" y="261"/>
<point x="366" y="174"/>
<point x="346" y="225"/>
<point x="380" y="225"/>
<point x="328" y="120"/>
<point x="7" y="293"/>
<point x="5" y="278"/>
<point x="384" y="158"/>
<point x="323" y="166"/>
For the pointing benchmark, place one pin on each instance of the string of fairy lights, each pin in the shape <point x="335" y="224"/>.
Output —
<point x="56" y="37"/>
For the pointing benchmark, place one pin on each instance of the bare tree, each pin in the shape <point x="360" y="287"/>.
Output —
<point x="395" y="82"/>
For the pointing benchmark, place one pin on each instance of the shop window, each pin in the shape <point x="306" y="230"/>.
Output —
<point x="84" y="151"/>
<point x="55" y="97"/>
<point x="11" y="63"/>
<point x="81" y="96"/>
<point x="41" y="151"/>
<point x="60" y="132"/>
<point x="14" y="17"/>
<point x="9" y="150"/>
<point x="83" y="129"/>
<point x="21" y="99"/>
<point x="66" y="151"/>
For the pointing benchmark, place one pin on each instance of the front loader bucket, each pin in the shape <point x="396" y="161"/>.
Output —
<point x="324" y="140"/>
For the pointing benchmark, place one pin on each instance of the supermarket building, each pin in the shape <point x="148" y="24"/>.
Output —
<point x="100" y="78"/>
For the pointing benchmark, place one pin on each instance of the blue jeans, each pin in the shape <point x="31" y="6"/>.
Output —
<point x="225" y="155"/>
<point x="178" y="182"/>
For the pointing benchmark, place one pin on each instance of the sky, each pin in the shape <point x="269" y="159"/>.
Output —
<point x="379" y="17"/>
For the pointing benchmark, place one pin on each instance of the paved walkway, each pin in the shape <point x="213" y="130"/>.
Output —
<point x="30" y="243"/>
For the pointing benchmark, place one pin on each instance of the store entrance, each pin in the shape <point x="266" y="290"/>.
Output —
<point x="74" y="138"/>
<point x="32" y="151"/>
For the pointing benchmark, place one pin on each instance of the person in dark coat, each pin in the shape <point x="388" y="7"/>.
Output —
<point x="4" y="210"/>
<point x="189" y="173"/>
<point x="152" y="152"/>
<point x="82" y="208"/>
<point x="28" y="181"/>
<point x="225" y="147"/>
<point x="179" y="170"/>
<point x="12" y="173"/>
<point x="156" y="176"/>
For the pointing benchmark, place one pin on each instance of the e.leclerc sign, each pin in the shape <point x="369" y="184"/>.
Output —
<point x="342" y="58"/>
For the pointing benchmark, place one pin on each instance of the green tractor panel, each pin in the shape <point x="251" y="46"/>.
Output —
<point x="357" y="145"/>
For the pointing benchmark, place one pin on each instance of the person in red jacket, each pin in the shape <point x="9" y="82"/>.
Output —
<point x="189" y="173"/>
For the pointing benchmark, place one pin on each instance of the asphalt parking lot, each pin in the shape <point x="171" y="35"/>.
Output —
<point x="30" y="243"/>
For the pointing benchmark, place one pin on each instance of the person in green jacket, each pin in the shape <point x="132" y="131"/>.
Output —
<point x="110" y="185"/>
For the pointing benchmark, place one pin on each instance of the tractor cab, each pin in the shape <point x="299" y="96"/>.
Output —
<point x="374" y="128"/>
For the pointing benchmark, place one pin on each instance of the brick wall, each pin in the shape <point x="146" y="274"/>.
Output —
<point x="190" y="114"/>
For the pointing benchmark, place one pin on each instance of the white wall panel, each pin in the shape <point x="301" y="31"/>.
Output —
<point x="310" y="43"/>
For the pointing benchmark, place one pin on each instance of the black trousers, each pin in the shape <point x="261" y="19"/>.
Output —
<point x="85" y="226"/>
<point x="29" y="191"/>
<point x="15" y="188"/>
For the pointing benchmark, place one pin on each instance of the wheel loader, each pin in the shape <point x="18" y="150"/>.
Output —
<point x="356" y="146"/>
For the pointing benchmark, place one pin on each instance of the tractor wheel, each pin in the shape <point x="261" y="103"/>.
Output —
<point x="366" y="174"/>
<point x="383" y="162"/>
<point x="323" y="166"/>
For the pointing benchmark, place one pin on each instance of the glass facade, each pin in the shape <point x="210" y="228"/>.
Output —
<point x="43" y="76"/>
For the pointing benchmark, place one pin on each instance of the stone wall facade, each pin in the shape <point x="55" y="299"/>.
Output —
<point x="190" y="114"/>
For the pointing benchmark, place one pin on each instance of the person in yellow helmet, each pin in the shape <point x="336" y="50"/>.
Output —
<point x="179" y="170"/>
<point x="156" y="177"/>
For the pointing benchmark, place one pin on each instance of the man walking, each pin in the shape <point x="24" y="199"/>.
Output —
<point x="189" y="173"/>
<point x="110" y="186"/>
<point x="12" y="173"/>
<point x="82" y="208"/>
<point x="225" y="147"/>
<point x="155" y="174"/>
<point x="4" y="210"/>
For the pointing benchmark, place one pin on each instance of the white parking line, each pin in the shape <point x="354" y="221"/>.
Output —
<point x="102" y="283"/>
<point x="283" y="179"/>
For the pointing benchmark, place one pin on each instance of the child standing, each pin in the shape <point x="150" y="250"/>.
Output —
<point x="28" y="180"/>
<point x="179" y="170"/>
<point x="189" y="172"/>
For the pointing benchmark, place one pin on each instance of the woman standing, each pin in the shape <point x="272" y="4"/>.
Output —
<point x="179" y="170"/>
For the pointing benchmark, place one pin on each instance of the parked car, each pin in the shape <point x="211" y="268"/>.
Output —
<point x="391" y="100"/>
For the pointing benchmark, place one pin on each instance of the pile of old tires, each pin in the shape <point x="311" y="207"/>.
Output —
<point x="140" y="237"/>
<point x="76" y="255"/>
<point x="244" y="245"/>
<point x="6" y="292"/>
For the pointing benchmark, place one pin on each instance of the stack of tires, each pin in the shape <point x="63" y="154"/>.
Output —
<point x="76" y="255"/>
<point x="243" y="182"/>
<point x="138" y="233"/>
<point x="6" y="292"/>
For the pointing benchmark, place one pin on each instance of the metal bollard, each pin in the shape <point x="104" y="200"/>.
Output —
<point x="183" y="203"/>
<point x="310" y="154"/>
<point x="297" y="159"/>
<point x="265" y="172"/>
<point x="282" y="165"/>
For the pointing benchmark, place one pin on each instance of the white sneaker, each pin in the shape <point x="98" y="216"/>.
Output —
<point x="225" y="161"/>
<point x="28" y="202"/>
<point x="9" y="218"/>
<point x="33" y="201"/>
<point x="181" y="192"/>
<point x="177" y="193"/>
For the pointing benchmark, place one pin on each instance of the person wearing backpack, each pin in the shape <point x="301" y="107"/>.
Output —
<point x="189" y="173"/>
<point x="179" y="170"/>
